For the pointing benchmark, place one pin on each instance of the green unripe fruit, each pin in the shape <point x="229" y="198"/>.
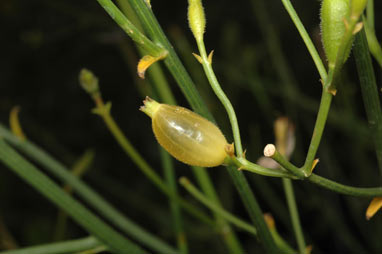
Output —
<point x="334" y="14"/>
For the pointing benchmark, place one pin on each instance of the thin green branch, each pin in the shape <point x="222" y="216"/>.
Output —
<point x="84" y="217"/>
<point x="326" y="99"/>
<point x="253" y="208"/>
<point x="169" y="172"/>
<point x="293" y="211"/>
<point x="70" y="246"/>
<point x="305" y="36"/>
<point x="244" y="164"/>
<point x="370" y="92"/>
<point x="374" y="46"/>
<point x="370" y="14"/>
<point x="134" y="33"/>
<point x="223" y="226"/>
<point x="271" y="152"/>
<point x="344" y="189"/>
<point x="329" y="87"/>
<point x="221" y="95"/>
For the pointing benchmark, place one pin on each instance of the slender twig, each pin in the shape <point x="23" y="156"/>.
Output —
<point x="326" y="99"/>
<point x="271" y="152"/>
<point x="221" y="95"/>
<point x="374" y="46"/>
<point x="244" y="164"/>
<point x="253" y="208"/>
<point x="344" y="189"/>
<point x="293" y="211"/>
<point x="224" y="228"/>
<point x="370" y="14"/>
<point x="169" y="173"/>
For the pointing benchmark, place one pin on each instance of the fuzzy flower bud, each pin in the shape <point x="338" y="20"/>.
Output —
<point x="196" y="18"/>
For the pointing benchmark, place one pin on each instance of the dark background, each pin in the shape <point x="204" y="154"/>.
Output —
<point x="44" y="44"/>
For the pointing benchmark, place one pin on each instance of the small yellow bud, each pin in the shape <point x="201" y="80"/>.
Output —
<point x="196" y="18"/>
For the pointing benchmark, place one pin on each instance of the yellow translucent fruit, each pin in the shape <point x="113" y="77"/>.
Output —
<point x="186" y="135"/>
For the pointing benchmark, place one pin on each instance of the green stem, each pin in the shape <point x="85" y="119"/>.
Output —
<point x="221" y="95"/>
<point x="293" y="211"/>
<point x="29" y="173"/>
<point x="370" y="14"/>
<point x="253" y="208"/>
<point x="370" y="92"/>
<point x="344" y="189"/>
<point x="305" y="36"/>
<point x="244" y="164"/>
<point x="274" y="154"/>
<point x="374" y="46"/>
<point x="168" y="167"/>
<point x="89" y="195"/>
<point x="322" y="116"/>
<point x="224" y="228"/>
<point x="131" y="30"/>
<point x="70" y="246"/>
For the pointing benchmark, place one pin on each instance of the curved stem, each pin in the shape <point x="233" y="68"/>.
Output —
<point x="319" y="180"/>
<point x="221" y="95"/>
<point x="344" y="189"/>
